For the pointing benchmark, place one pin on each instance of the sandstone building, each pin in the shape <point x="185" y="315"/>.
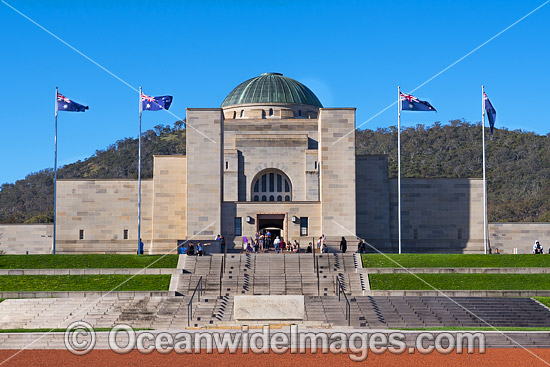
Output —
<point x="270" y="157"/>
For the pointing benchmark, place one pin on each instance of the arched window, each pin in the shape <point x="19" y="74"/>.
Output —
<point x="234" y="115"/>
<point x="271" y="183"/>
<point x="242" y="113"/>
<point x="300" y="113"/>
<point x="271" y="112"/>
<point x="256" y="198"/>
<point x="263" y="114"/>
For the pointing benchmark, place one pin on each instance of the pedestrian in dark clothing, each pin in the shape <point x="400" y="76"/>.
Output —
<point x="343" y="245"/>
<point x="191" y="249"/>
<point x="361" y="246"/>
<point x="222" y="244"/>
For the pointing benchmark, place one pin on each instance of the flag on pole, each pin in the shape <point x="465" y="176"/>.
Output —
<point x="491" y="112"/>
<point x="411" y="103"/>
<point x="155" y="103"/>
<point x="65" y="104"/>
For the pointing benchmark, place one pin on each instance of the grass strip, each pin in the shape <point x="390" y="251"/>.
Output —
<point x="544" y="300"/>
<point x="61" y="283"/>
<point x="454" y="261"/>
<point x="87" y="261"/>
<point x="460" y="281"/>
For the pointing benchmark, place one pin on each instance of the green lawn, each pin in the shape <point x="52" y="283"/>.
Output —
<point x="544" y="300"/>
<point x="460" y="281"/>
<point x="87" y="261"/>
<point x="28" y="283"/>
<point x="454" y="261"/>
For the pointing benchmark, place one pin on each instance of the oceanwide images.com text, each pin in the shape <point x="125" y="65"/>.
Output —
<point x="80" y="339"/>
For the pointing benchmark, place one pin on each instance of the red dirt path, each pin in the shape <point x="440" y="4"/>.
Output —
<point x="58" y="358"/>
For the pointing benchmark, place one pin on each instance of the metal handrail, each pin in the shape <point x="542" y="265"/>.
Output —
<point x="318" y="278"/>
<point x="190" y="304"/>
<point x="222" y="271"/>
<point x="340" y="290"/>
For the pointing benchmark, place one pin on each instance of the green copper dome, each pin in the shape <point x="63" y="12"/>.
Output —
<point x="271" y="88"/>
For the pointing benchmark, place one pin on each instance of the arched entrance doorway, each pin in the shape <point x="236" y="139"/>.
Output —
<point x="274" y="223"/>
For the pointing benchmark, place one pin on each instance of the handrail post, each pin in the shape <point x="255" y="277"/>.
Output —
<point x="190" y="304"/>
<point x="318" y="279"/>
<point x="221" y="276"/>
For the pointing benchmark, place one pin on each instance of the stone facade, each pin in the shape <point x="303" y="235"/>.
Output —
<point x="521" y="236"/>
<point x="294" y="168"/>
<point x="20" y="239"/>
<point x="101" y="215"/>
<point x="438" y="215"/>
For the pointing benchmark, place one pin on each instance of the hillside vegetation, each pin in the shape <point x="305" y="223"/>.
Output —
<point x="518" y="167"/>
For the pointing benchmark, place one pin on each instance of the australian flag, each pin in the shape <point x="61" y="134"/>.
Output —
<point x="491" y="112"/>
<point x="411" y="103"/>
<point x="155" y="103"/>
<point x="65" y="104"/>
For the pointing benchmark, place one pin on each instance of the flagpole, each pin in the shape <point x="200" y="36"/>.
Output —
<point x="55" y="177"/>
<point x="484" y="177"/>
<point x="139" y="175"/>
<point x="399" y="164"/>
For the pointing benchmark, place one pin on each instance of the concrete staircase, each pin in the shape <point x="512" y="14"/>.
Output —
<point x="275" y="274"/>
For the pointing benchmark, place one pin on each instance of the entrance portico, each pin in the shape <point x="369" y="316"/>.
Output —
<point x="275" y="223"/>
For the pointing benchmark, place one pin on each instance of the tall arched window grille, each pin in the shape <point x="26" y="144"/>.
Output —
<point x="271" y="184"/>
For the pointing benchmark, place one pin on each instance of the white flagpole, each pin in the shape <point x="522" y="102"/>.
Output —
<point x="484" y="178"/>
<point x="399" y="164"/>
<point x="139" y="174"/>
<point x="55" y="178"/>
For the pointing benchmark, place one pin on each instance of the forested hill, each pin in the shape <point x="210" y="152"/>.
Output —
<point x="518" y="166"/>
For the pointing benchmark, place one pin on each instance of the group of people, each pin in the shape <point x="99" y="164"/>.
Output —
<point x="191" y="250"/>
<point x="263" y="242"/>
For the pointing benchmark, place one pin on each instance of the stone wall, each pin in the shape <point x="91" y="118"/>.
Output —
<point x="438" y="215"/>
<point x="373" y="200"/>
<point x="507" y="236"/>
<point x="17" y="239"/>
<point x="204" y="172"/>
<point x="285" y="152"/>
<point x="103" y="210"/>
<point x="337" y="171"/>
<point x="169" y="202"/>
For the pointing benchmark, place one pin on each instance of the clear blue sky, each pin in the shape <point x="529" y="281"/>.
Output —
<point x="351" y="54"/>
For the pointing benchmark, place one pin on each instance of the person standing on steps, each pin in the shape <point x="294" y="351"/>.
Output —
<point x="360" y="246"/>
<point x="222" y="244"/>
<point x="276" y="243"/>
<point x="267" y="239"/>
<point x="343" y="245"/>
